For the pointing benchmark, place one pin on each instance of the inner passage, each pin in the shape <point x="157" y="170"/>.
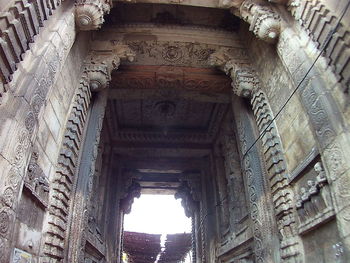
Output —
<point x="156" y="231"/>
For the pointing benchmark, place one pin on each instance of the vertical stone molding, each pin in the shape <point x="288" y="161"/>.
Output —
<point x="282" y="194"/>
<point x="96" y="77"/>
<point x="63" y="181"/>
<point x="260" y="208"/>
<point x="87" y="168"/>
<point x="90" y="13"/>
<point x="264" y="22"/>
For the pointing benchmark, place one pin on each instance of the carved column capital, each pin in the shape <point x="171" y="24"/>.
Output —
<point x="89" y="13"/>
<point x="244" y="79"/>
<point x="264" y="22"/>
<point x="99" y="65"/>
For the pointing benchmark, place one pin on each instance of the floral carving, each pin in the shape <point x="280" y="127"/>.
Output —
<point x="90" y="13"/>
<point x="5" y="221"/>
<point x="36" y="181"/>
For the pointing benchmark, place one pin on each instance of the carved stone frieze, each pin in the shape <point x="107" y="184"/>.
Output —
<point x="90" y="13"/>
<point x="36" y="181"/>
<point x="314" y="202"/>
<point x="173" y="53"/>
<point x="264" y="21"/>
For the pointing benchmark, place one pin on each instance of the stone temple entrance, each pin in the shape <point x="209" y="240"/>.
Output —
<point x="237" y="107"/>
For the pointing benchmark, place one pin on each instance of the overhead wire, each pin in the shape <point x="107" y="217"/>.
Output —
<point x="323" y="48"/>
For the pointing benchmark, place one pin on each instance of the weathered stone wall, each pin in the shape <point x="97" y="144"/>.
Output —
<point x="34" y="110"/>
<point x="292" y="123"/>
<point x="308" y="127"/>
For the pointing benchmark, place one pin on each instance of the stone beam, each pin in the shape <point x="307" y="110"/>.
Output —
<point x="138" y="94"/>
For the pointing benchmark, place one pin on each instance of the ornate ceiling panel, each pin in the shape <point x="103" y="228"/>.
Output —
<point x="166" y="104"/>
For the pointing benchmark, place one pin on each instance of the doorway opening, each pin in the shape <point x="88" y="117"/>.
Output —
<point x="157" y="231"/>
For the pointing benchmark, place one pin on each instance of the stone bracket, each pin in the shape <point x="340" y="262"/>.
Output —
<point x="90" y="13"/>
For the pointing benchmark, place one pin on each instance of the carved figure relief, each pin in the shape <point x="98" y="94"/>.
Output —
<point x="36" y="181"/>
<point x="314" y="203"/>
<point x="237" y="195"/>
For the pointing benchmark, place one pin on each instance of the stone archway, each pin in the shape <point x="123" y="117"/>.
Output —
<point x="47" y="152"/>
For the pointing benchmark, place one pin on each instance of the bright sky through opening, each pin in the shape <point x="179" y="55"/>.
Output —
<point x="157" y="214"/>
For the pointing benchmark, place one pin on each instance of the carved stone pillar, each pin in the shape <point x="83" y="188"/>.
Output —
<point x="90" y="13"/>
<point x="282" y="194"/>
<point x="98" y="70"/>
<point x="223" y="194"/>
<point x="94" y="81"/>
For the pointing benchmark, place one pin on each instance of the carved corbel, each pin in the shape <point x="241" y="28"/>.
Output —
<point x="133" y="191"/>
<point x="264" y="22"/>
<point x="99" y="65"/>
<point x="244" y="80"/>
<point x="89" y="14"/>
<point x="187" y="202"/>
